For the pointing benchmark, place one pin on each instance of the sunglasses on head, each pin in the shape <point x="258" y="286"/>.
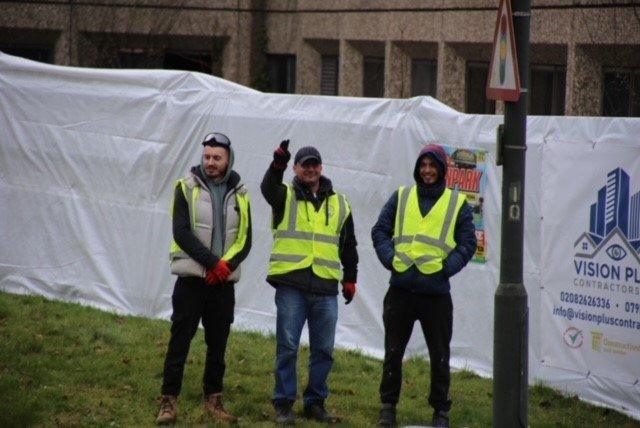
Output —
<point x="216" y="138"/>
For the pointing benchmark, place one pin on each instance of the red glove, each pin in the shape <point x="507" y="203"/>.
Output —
<point x="348" y="291"/>
<point x="281" y="155"/>
<point x="211" y="278"/>
<point x="219" y="273"/>
<point x="222" y="270"/>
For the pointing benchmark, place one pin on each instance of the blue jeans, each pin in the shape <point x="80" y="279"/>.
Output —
<point x="294" y="308"/>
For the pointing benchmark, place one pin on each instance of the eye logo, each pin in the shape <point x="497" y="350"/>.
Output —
<point x="616" y="252"/>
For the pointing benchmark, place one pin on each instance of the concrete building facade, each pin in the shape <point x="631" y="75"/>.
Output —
<point x="585" y="54"/>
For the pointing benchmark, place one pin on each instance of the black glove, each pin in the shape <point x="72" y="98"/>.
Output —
<point x="281" y="155"/>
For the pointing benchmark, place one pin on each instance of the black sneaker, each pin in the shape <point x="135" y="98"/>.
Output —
<point x="319" y="413"/>
<point x="284" y="413"/>
<point x="440" y="419"/>
<point x="387" y="415"/>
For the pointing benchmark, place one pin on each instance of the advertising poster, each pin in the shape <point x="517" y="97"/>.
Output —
<point x="466" y="171"/>
<point x="591" y="251"/>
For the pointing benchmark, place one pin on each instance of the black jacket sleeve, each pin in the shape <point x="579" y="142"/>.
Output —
<point x="347" y="251"/>
<point x="382" y="232"/>
<point x="184" y="236"/>
<point x="242" y="254"/>
<point x="274" y="192"/>
<point x="465" y="236"/>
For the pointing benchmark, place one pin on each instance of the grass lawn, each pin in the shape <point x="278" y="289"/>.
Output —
<point x="65" y="364"/>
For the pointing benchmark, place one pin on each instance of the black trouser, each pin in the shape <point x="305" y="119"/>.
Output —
<point x="192" y="300"/>
<point x="435" y="313"/>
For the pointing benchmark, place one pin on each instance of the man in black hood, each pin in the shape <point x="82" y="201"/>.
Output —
<point x="424" y="235"/>
<point x="211" y="237"/>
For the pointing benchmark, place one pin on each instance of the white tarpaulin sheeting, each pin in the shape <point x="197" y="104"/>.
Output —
<point x="88" y="159"/>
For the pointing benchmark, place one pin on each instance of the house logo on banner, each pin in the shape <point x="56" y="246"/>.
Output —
<point x="614" y="226"/>
<point x="606" y="273"/>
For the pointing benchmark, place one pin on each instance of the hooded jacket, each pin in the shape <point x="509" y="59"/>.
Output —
<point x="464" y="233"/>
<point x="274" y="191"/>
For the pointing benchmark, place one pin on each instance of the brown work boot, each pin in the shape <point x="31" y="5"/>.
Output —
<point x="168" y="410"/>
<point x="215" y="409"/>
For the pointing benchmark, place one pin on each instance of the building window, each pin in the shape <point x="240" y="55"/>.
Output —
<point x="621" y="92"/>
<point x="36" y="53"/>
<point x="188" y="61"/>
<point x="547" y="90"/>
<point x="139" y="58"/>
<point x="282" y="73"/>
<point x="172" y="60"/>
<point x="329" y="75"/>
<point x="373" y="77"/>
<point x="476" y="98"/>
<point x="424" y="74"/>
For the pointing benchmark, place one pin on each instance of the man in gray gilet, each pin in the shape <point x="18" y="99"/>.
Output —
<point x="211" y="237"/>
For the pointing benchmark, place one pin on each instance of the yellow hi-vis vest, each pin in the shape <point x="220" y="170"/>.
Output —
<point x="306" y="237"/>
<point x="198" y="197"/>
<point x="424" y="241"/>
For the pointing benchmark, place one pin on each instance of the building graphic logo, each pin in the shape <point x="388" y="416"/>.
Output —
<point x="596" y="341"/>
<point x="614" y="222"/>
<point x="573" y="337"/>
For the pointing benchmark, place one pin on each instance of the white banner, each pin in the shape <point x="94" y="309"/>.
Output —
<point x="590" y="257"/>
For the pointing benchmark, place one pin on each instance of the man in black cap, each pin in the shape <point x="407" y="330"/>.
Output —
<point x="205" y="254"/>
<point x="314" y="248"/>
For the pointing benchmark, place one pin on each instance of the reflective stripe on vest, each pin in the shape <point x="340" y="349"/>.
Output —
<point x="190" y="195"/>
<point x="306" y="237"/>
<point x="424" y="241"/>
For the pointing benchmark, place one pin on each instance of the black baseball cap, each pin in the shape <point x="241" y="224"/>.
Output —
<point x="307" y="153"/>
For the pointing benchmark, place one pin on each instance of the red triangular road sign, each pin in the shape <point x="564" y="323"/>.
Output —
<point x="503" y="82"/>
